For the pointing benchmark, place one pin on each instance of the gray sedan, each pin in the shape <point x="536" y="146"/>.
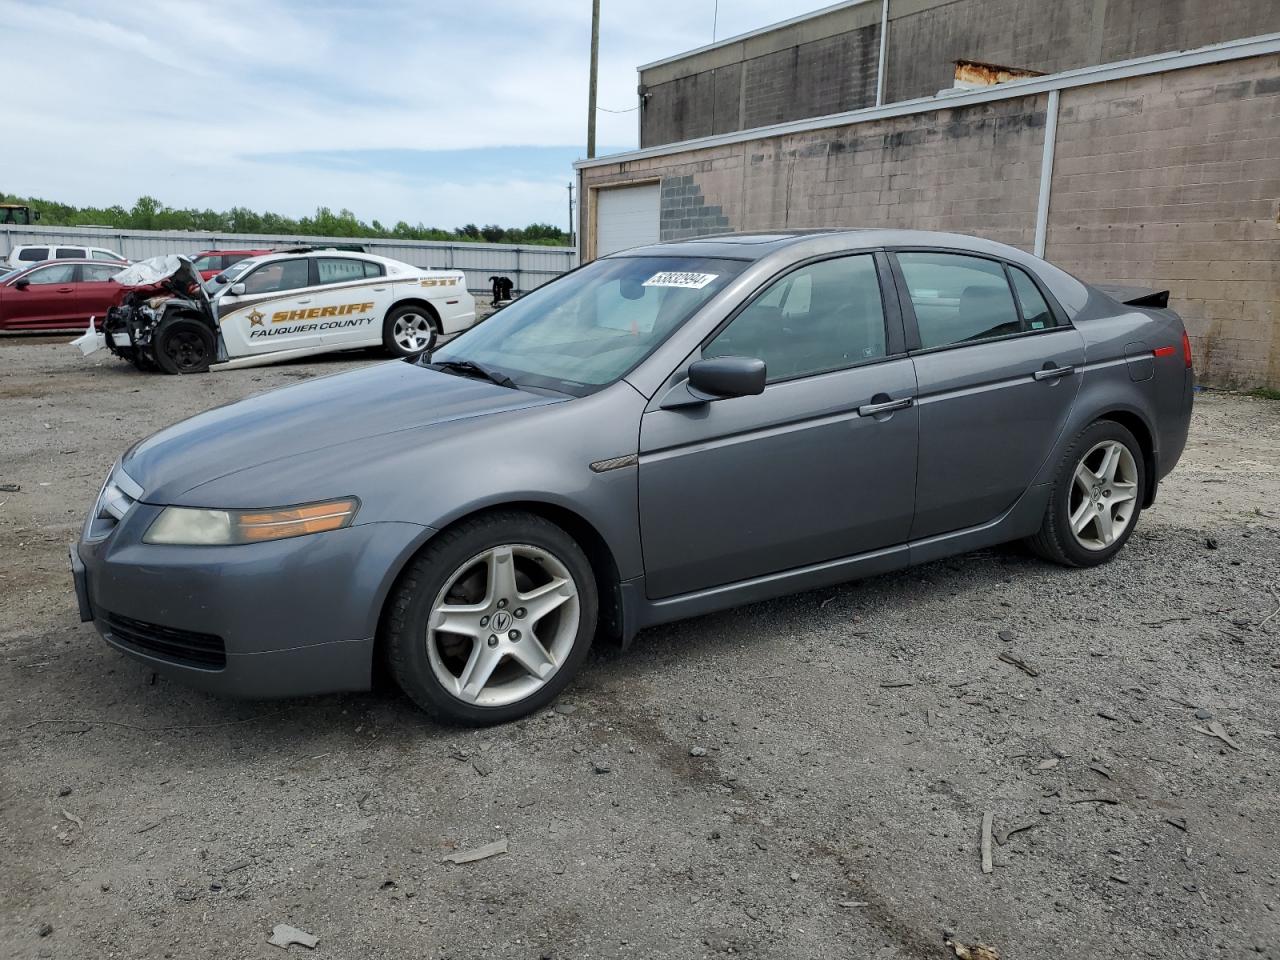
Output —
<point x="659" y="434"/>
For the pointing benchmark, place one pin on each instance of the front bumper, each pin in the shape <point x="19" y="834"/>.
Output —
<point x="279" y="619"/>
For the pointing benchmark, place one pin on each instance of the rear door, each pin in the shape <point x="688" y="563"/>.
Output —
<point x="48" y="299"/>
<point x="95" y="291"/>
<point x="997" y="364"/>
<point x="352" y="296"/>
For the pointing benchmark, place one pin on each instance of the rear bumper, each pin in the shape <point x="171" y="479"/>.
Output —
<point x="281" y="619"/>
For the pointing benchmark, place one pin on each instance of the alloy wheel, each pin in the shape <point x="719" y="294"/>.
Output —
<point x="1104" y="495"/>
<point x="413" y="332"/>
<point x="502" y="625"/>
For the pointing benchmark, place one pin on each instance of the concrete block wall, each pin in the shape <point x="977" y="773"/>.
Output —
<point x="926" y="37"/>
<point x="829" y="63"/>
<point x="1173" y="181"/>
<point x="973" y="170"/>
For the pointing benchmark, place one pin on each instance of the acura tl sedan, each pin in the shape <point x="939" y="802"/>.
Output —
<point x="662" y="433"/>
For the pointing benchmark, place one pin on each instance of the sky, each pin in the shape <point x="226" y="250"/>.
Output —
<point x="415" y="110"/>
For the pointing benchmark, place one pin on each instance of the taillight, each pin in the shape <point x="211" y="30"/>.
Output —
<point x="1186" y="349"/>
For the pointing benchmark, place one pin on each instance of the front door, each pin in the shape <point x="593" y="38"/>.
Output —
<point x="271" y="314"/>
<point x="48" y="299"/>
<point x="998" y="372"/>
<point x="819" y="466"/>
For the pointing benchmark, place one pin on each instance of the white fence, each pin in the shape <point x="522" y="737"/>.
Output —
<point x="528" y="266"/>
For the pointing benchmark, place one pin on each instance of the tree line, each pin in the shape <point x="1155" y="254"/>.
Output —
<point x="148" y="213"/>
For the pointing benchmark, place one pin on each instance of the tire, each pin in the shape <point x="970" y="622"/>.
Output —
<point x="506" y="642"/>
<point x="1105" y="508"/>
<point x="183" y="345"/>
<point x="409" y="331"/>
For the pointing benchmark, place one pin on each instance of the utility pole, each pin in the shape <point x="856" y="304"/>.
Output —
<point x="591" y="89"/>
<point x="570" y="213"/>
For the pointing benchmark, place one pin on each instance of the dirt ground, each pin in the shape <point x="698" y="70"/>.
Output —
<point x="797" y="779"/>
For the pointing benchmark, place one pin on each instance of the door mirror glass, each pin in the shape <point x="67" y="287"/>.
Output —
<point x="237" y="289"/>
<point x="728" y="376"/>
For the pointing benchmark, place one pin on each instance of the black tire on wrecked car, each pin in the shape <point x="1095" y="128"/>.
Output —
<point x="183" y="345"/>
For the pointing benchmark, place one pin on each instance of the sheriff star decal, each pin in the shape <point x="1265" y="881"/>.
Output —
<point x="256" y="318"/>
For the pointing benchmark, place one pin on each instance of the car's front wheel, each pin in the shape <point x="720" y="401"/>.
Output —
<point x="1096" y="498"/>
<point x="409" y="331"/>
<point x="183" y="345"/>
<point x="492" y="619"/>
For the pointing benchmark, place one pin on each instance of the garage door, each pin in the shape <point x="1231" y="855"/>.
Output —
<point x="626" y="217"/>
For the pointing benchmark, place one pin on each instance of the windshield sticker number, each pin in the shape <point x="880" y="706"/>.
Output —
<point x="688" y="281"/>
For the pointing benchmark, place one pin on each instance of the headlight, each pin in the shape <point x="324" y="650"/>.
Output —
<point x="193" y="526"/>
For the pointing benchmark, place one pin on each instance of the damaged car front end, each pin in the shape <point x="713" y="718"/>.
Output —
<point x="165" y="319"/>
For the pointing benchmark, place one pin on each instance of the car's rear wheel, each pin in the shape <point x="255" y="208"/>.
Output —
<point x="1096" y="498"/>
<point x="183" y="345"/>
<point x="409" y="331"/>
<point x="492" y="619"/>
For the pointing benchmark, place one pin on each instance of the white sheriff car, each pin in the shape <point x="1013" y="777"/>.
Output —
<point x="279" y="306"/>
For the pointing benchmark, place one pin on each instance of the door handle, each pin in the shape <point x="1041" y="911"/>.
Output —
<point x="379" y="289"/>
<point x="66" y="290"/>
<point x="886" y="406"/>
<point x="308" y="300"/>
<point x="1053" y="373"/>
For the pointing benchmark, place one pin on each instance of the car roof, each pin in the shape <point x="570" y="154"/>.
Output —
<point x="757" y="246"/>
<point x="45" y="263"/>
<point x="253" y="250"/>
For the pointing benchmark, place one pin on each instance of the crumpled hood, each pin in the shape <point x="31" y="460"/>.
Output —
<point x="385" y="398"/>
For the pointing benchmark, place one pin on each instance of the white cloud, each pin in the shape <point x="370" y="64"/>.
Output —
<point x="180" y="100"/>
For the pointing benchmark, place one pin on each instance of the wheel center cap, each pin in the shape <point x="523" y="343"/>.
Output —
<point x="1095" y="493"/>
<point x="501" y="621"/>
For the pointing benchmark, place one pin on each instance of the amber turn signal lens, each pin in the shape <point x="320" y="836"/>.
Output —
<point x="296" y="521"/>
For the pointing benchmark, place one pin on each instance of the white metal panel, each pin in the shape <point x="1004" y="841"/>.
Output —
<point x="626" y="217"/>
<point x="527" y="265"/>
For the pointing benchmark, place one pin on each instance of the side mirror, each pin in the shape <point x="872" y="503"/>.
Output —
<point x="727" y="376"/>
<point x="237" y="289"/>
<point x="22" y="284"/>
<point x="717" y="379"/>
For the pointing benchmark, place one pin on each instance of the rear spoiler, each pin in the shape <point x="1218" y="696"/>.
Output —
<point x="1136" y="296"/>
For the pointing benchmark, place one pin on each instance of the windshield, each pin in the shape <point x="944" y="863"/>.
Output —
<point x="592" y="326"/>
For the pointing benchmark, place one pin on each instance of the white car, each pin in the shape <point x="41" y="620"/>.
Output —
<point x="25" y="255"/>
<point x="277" y="307"/>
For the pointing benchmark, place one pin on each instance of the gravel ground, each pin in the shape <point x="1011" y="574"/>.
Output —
<point x="802" y="778"/>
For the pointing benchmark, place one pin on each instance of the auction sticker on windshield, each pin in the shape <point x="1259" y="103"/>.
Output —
<point x="675" y="278"/>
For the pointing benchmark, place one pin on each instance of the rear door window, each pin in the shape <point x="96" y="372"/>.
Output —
<point x="34" y="254"/>
<point x="70" y="253"/>
<point x="339" y="269"/>
<point x="1036" y="314"/>
<point x="958" y="299"/>
<point x="98" y="272"/>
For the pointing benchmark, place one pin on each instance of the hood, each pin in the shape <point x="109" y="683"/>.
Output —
<point x="396" y="397"/>
<point x="180" y="270"/>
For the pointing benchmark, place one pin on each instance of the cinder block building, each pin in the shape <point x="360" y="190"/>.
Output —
<point x="1128" y="141"/>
